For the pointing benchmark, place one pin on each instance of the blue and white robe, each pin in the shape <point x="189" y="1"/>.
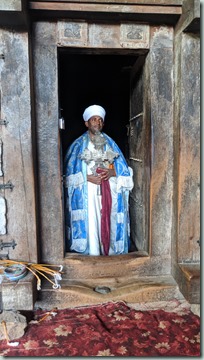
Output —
<point x="80" y="224"/>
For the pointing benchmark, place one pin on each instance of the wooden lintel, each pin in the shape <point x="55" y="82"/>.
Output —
<point x="122" y="2"/>
<point x="105" y="8"/>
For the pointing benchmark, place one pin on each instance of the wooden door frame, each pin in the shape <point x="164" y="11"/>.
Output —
<point x="48" y="36"/>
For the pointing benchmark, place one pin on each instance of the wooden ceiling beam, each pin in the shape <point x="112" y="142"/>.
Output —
<point x="109" y="8"/>
<point x="121" y="2"/>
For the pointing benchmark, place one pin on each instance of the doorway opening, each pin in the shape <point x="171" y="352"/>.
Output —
<point x="87" y="78"/>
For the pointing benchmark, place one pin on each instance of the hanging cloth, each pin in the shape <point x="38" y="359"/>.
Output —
<point x="106" y="202"/>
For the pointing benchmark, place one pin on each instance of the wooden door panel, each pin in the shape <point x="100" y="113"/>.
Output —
<point x="137" y="150"/>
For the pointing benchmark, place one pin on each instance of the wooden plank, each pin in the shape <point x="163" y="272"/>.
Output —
<point x="146" y="9"/>
<point x="188" y="279"/>
<point x="191" y="271"/>
<point x="160" y="103"/>
<point x="122" y="2"/>
<point x="131" y="289"/>
<point x="188" y="50"/>
<point x="18" y="166"/>
<point x="49" y="171"/>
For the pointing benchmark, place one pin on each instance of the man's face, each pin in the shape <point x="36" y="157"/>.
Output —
<point x="94" y="124"/>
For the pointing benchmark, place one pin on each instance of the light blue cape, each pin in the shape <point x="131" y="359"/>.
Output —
<point x="76" y="217"/>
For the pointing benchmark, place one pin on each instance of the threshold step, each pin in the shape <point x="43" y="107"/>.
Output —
<point x="85" y="292"/>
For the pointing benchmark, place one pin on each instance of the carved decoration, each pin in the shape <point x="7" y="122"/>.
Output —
<point x="82" y="34"/>
<point x="134" y="36"/>
<point x="72" y="33"/>
<point x="72" y="30"/>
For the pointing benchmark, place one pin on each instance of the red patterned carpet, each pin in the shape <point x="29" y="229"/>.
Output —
<point x="111" y="329"/>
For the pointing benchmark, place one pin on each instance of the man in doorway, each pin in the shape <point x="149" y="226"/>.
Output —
<point x="98" y="182"/>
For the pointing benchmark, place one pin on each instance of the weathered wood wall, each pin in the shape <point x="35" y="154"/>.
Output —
<point x="16" y="143"/>
<point x="47" y="134"/>
<point x="161" y="186"/>
<point x="186" y="220"/>
<point x="139" y="144"/>
<point x="187" y="145"/>
<point x="189" y="154"/>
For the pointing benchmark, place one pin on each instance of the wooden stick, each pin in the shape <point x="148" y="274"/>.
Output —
<point x="5" y="331"/>
<point x="46" y="315"/>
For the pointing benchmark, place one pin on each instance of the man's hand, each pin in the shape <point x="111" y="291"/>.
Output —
<point x="94" y="179"/>
<point x="106" y="173"/>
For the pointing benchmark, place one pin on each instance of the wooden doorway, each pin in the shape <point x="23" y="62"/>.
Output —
<point x="148" y="135"/>
<point x="66" y="78"/>
<point x="115" y="82"/>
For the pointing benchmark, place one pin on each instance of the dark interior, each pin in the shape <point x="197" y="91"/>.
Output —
<point x="103" y="79"/>
<point x="86" y="79"/>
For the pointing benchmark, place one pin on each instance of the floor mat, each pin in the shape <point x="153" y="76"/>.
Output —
<point x="110" y="329"/>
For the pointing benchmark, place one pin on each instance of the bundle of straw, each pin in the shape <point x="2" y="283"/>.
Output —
<point x="44" y="270"/>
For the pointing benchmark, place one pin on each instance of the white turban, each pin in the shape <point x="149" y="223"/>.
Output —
<point x="92" y="110"/>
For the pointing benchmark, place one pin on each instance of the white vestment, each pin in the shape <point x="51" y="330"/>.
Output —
<point x="94" y="213"/>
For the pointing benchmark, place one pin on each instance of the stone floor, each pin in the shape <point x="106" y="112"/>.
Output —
<point x="170" y="306"/>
